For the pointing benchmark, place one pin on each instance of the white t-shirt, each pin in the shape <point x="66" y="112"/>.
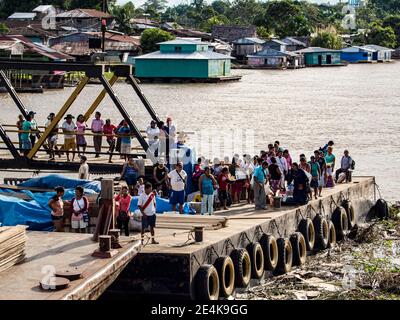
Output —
<point x="84" y="171"/>
<point x="152" y="132"/>
<point x="78" y="205"/>
<point x="282" y="164"/>
<point x="69" y="127"/>
<point x="151" y="208"/>
<point x="176" y="181"/>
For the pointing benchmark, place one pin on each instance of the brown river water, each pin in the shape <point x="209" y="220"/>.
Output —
<point x="356" y="106"/>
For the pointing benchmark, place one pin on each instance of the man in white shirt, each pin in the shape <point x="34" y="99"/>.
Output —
<point x="153" y="133"/>
<point x="147" y="206"/>
<point x="282" y="164"/>
<point x="177" y="183"/>
<point x="83" y="169"/>
<point x="69" y="129"/>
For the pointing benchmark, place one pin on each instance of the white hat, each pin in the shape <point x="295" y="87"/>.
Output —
<point x="216" y="161"/>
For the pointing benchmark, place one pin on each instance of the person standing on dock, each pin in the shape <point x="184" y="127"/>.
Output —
<point x="315" y="174"/>
<point x="80" y="131"/>
<point x="345" y="165"/>
<point x="223" y="180"/>
<point x="259" y="181"/>
<point x="283" y="167"/>
<point x="80" y="211"/>
<point x="83" y="169"/>
<point x="122" y="209"/>
<point x="301" y="185"/>
<point x="97" y="129"/>
<point x="34" y="128"/>
<point x="109" y="130"/>
<point x="275" y="175"/>
<point x="160" y="176"/>
<point x="69" y="130"/>
<point x="56" y="205"/>
<point x="330" y="160"/>
<point x="125" y="133"/>
<point x="153" y="133"/>
<point x="19" y="128"/>
<point x="319" y="156"/>
<point x="26" y="141"/>
<point x="147" y="206"/>
<point x="177" y="183"/>
<point x="289" y="162"/>
<point x="53" y="136"/>
<point x="130" y="173"/>
<point x="207" y="185"/>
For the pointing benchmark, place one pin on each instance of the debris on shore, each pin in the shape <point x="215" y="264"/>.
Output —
<point x="366" y="266"/>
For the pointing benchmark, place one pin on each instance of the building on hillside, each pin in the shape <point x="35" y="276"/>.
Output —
<point x="357" y="55"/>
<point x="182" y="59"/>
<point x="316" y="56"/>
<point x="82" y="45"/>
<point x="246" y="46"/>
<point x="84" y="19"/>
<point x="232" y="33"/>
<point x="293" y="44"/>
<point x="380" y="54"/>
<point x="274" y="59"/>
<point x="43" y="11"/>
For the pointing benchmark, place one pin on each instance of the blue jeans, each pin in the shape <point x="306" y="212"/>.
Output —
<point x="207" y="204"/>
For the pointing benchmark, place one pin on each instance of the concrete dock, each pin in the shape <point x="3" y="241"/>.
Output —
<point x="168" y="269"/>
<point x="50" y="251"/>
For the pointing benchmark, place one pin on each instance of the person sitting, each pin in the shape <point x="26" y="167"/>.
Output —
<point x="345" y="166"/>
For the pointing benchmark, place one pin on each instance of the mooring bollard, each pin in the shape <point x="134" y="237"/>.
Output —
<point x="198" y="233"/>
<point x="114" y="233"/>
<point x="104" y="243"/>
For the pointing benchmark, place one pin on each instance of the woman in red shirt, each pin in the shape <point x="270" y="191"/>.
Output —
<point x="223" y="187"/>
<point x="122" y="209"/>
<point x="109" y="129"/>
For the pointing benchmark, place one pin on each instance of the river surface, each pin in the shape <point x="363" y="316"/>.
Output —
<point x="356" y="106"/>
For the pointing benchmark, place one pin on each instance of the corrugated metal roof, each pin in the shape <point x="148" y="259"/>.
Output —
<point x="272" y="53"/>
<point x="376" y="47"/>
<point x="84" y="13"/>
<point x="315" y="50"/>
<point x="249" y="41"/>
<point x="197" y="55"/>
<point x="42" y="8"/>
<point x="351" y="49"/>
<point x="183" y="41"/>
<point x="277" y="41"/>
<point x="293" y="41"/>
<point x="22" y="15"/>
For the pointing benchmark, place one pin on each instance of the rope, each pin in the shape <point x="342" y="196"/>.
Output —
<point x="228" y="242"/>
<point x="298" y="213"/>
<point x="197" y="260"/>
<point x="277" y="228"/>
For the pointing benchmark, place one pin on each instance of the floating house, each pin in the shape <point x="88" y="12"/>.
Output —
<point x="183" y="59"/>
<point x="380" y="54"/>
<point x="316" y="56"/>
<point x="274" y="59"/>
<point x="231" y="33"/>
<point x="275" y="44"/>
<point x="246" y="46"/>
<point x="357" y="55"/>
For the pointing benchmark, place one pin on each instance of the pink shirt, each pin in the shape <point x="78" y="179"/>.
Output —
<point x="97" y="125"/>
<point x="123" y="203"/>
<point x="81" y="126"/>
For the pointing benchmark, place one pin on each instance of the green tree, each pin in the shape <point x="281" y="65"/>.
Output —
<point x="123" y="15"/>
<point x="150" y="38"/>
<point x="155" y="8"/>
<point x="263" y="33"/>
<point x="326" y="39"/>
<point x="382" y="36"/>
<point x="215" y="21"/>
<point x="3" y="28"/>
<point x="244" y="12"/>
<point x="393" y="21"/>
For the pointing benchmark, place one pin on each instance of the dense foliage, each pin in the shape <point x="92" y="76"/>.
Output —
<point x="150" y="38"/>
<point x="379" y="19"/>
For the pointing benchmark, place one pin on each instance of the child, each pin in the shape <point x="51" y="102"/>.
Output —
<point x="140" y="186"/>
<point x="56" y="205"/>
<point x="147" y="205"/>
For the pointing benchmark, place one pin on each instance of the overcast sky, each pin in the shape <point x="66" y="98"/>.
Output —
<point x="173" y="2"/>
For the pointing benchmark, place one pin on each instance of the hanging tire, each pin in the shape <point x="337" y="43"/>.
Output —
<point x="339" y="219"/>
<point x="257" y="260"/>
<point x="299" y="248"/>
<point x="270" y="249"/>
<point x="241" y="261"/>
<point x="351" y="217"/>
<point x="321" y="227"/>
<point x="306" y="227"/>
<point x="332" y="235"/>
<point x="207" y="283"/>
<point x="381" y="209"/>
<point x="285" y="256"/>
<point x="226" y="274"/>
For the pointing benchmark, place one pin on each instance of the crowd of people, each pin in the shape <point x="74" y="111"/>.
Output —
<point x="118" y="137"/>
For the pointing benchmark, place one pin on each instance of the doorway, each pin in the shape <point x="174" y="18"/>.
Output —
<point x="329" y="59"/>
<point x="319" y="60"/>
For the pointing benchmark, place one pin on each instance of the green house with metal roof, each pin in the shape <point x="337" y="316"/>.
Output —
<point x="316" y="56"/>
<point x="183" y="59"/>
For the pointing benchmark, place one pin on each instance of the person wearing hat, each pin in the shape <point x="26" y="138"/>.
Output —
<point x="97" y="129"/>
<point x="34" y="128"/>
<point x="26" y="128"/>
<point x="217" y="168"/>
<point x="83" y="172"/>
<point x="69" y="130"/>
<point x="53" y="136"/>
<point x="153" y="133"/>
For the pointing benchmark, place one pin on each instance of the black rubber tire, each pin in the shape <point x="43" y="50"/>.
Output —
<point x="270" y="248"/>
<point x="241" y="261"/>
<point x="299" y="248"/>
<point x="381" y="209"/>
<point x="351" y="217"/>
<point x="306" y="227"/>
<point x="207" y="283"/>
<point x="339" y="219"/>
<point x="226" y="273"/>
<point x="332" y="235"/>
<point x="285" y="256"/>
<point x="257" y="260"/>
<point x="321" y="227"/>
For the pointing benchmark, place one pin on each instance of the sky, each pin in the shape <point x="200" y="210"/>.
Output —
<point x="174" y="2"/>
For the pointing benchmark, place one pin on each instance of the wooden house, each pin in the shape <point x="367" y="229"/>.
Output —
<point x="274" y="59"/>
<point x="380" y="54"/>
<point x="246" y="46"/>
<point x="275" y="44"/>
<point x="293" y="44"/>
<point x="316" y="56"/>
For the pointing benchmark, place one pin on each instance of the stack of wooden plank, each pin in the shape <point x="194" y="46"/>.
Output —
<point x="176" y="221"/>
<point x="12" y="246"/>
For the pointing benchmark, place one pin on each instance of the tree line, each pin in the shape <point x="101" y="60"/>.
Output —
<point x="379" y="20"/>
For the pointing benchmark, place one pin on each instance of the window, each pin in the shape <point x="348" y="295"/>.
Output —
<point x="178" y="49"/>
